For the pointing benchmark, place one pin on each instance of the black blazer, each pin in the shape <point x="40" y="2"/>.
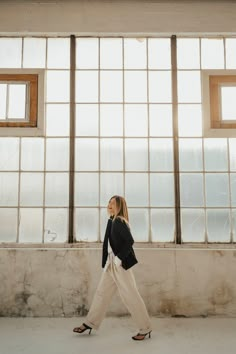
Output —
<point x="121" y="241"/>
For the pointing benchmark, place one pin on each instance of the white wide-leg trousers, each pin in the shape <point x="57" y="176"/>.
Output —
<point x="116" y="277"/>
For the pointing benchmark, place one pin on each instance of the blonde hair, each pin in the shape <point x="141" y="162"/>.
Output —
<point x="122" y="210"/>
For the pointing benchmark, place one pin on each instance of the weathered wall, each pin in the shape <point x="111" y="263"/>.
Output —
<point x="117" y="16"/>
<point x="61" y="282"/>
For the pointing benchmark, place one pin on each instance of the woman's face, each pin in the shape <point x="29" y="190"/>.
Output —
<point x="112" y="209"/>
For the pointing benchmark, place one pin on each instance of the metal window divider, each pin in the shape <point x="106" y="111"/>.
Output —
<point x="71" y="237"/>
<point x="175" y="137"/>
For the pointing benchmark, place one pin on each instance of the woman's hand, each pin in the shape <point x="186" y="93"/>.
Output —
<point x="117" y="261"/>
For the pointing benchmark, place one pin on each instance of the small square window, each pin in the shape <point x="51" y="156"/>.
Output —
<point x="219" y="103"/>
<point x="18" y="100"/>
<point x="222" y="101"/>
<point x="22" y="97"/>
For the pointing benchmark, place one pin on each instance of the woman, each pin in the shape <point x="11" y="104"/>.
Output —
<point x="117" y="259"/>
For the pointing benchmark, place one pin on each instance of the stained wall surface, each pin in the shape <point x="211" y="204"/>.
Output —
<point x="172" y="282"/>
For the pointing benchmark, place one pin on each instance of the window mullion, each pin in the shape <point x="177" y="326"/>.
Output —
<point x="72" y="138"/>
<point x="175" y="137"/>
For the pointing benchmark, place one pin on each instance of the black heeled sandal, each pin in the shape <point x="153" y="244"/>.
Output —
<point x="142" y="335"/>
<point x="81" y="330"/>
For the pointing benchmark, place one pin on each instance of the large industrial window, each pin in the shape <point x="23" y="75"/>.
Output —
<point x="207" y="165"/>
<point x="124" y="138"/>
<point x="124" y="141"/>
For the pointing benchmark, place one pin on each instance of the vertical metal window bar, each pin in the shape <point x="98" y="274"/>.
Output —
<point x="175" y="136"/>
<point x="72" y="138"/>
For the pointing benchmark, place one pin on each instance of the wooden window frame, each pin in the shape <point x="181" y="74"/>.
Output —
<point x="212" y="124"/>
<point x="32" y="81"/>
<point x="215" y="83"/>
<point x="35" y="126"/>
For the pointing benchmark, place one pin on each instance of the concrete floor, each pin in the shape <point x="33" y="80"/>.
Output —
<point x="170" y="335"/>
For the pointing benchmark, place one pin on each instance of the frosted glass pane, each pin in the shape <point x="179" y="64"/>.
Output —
<point x="111" y="86"/>
<point x="162" y="189"/>
<point x="159" y="86"/>
<point x="31" y="189"/>
<point x="110" y="184"/>
<point x="17" y="101"/>
<point x="159" y="53"/>
<point x="189" y="87"/>
<point x="163" y="225"/>
<point x="139" y="223"/>
<point x="58" y="86"/>
<point x="86" y="189"/>
<point x="86" y="225"/>
<point x="218" y="225"/>
<point x="193" y="225"/>
<point x="135" y="86"/>
<point x="3" y="101"/>
<point x="58" y="54"/>
<point x="87" y="53"/>
<point x="111" y="120"/>
<point x="8" y="221"/>
<point x="232" y="154"/>
<point x="136" y="189"/>
<point x="111" y="53"/>
<point x="160" y="120"/>
<point x="111" y="158"/>
<point x="161" y="154"/>
<point x="87" y="119"/>
<point x="230" y="45"/>
<point x="188" y="54"/>
<point x="10" y="49"/>
<point x="57" y="189"/>
<point x="233" y="188"/>
<point x="136" y="120"/>
<point x="190" y="155"/>
<point x="31" y="225"/>
<point x="190" y="120"/>
<point x="9" y="154"/>
<point x="9" y="189"/>
<point x="86" y="155"/>
<point x="215" y="154"/>
<point x="234" y="224"/>
<point x="191" y="190"/>
<point x="34" y="53"/>
<point x="217" y="189"/>
<point x="57" y="154"/>
<point x="56" y="225"/>
<point x="212" y="53"/>
<point x="136" y="154"/>
<point x="135" y="53"/>
<point x="58" y="120"/>
<point x="32" y="154"/>
<point x="228" y="104"/>
<point x="86" y="86"/>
